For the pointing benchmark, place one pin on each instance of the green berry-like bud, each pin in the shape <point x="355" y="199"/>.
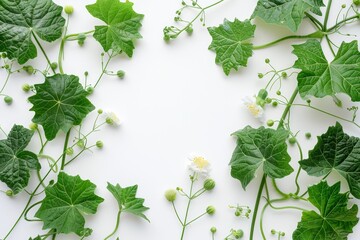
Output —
<point x="90" y="90"/>
<point x="343" y="6"/>
<point x="51" y="182"/>
<point x="183" y="3"/>
<point x="26" y="87"/>
<point x="69" y="151"/>
<point x="86" y="73"/>
<point x="356" y="2"/>
<point x="282" y="234"/>
<point x="237" y="213"/>
<point x="270" y="123"/>
<point x="100" y="111"/>
<point x="166" y="37"/>
<point x="7" y="66"/>
<point x="213" y="229"/>
<point x="54" y="65"/>
<point x="8" y="100"/>
<point x="33" y="126"/>
<point x="209" y="184"/>
<point x="29" y="69"/>
<point x="275" y="104"/>
<point x="267" y="60"/>
<point x="170" y="195"/>
<point x="120" y="74"/>
<point x="260" y="75"/>
<point x="189" y="30"/>
<point x="99" y="144"/>
<point x="278" y="92"/>
<point x="9" y="193"/>
<point x="292" y="140"/>
<point x="308" y="135"/>
<point x="3" y="55"/>
<point x="238" y="233"/>
<point x="210" y="210"/>
<point x="268" y="100"/>
<point x="284" y="74"/>
<point x="273" y="232"/>
<point x="308" y="101"/>
<point x="81" y="143"/>
<point x="69" y="9"/>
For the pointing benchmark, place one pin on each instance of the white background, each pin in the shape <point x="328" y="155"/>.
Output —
<point x="173" y="102"/>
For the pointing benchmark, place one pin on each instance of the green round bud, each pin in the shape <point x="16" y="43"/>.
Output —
<point x="26" y="87"/>
<point x="81" y="37"/>
<point x="343" y="6"/>
<point x="120" y="74"/>
<point x="90" y="90"/>
<point x="100" y="111"/>
<point x="278" y="92"/>
<point x="3" y="55"/>
<point x="275" y="104"/>
<point x="179" y="189"/>
<point x="7" y="66"/>
<point x="189" y="30"/>
<point x="308" y="135"/>
<point x="209" y="184"/>
<point x="86" y="73"/>
<point x="238" y="233"/>
<point x="33" y="126"/>
<point x="210" y="210"/>
<point x="170" y="195"/>
<point x="99" y="144"/>
<point x="69" y="9"/>
<point x="29" y="69"/>
<point x="81" y="143"/>
<point x="267" y="60"/>
<point x="54" y="65"/>
<point x="308" y="101"/>
<point x="292" y="140"/>
<point x="69" y="151"/>
<point x="166" y="38"/>
<point x="273" y="232"/>
<point x="356" y="2"/>
<point x="237" y="213"/>
<point x="282" y="234"/>
<point x="270" y="123"/>
<point x="260" y="75"/>
<point x="8" y="100"/>
<point x="183" y="3"/>
<point x="213" y="229"/>
<point x="51" y="182"/>
<point x="268" y="100"/>
<point x="9" y="193"/>
<point x="284" y="74"/>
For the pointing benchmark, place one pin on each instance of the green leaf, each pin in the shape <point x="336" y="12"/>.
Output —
<point x="260" y="147"/>
<point x="66" y="202"/>
<point x="37" y="238"/>
<point x="123" y="25"/>
<point x="127" y="201"/>
<point x="319" y="78"/>
<point x="289" y="13"/>
<point x="21" y="20"/>
<point x="334" y="221"/>
<point x="336" y="151"/>
<point x="15" y="162"/>
<point x="60" y="103"/>
<point x="231" y="42"/>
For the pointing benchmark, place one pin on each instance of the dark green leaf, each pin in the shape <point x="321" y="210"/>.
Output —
<point x="60" y="103"/>
<point x="37" y="238"/>
<point x="20" y="20"/>
<point x="334" y="221"/>
<point x="15" y="162"/>
<point x="123" y="25"/>
<point x="336" y="151"/>
<point x="289" y="13"/>
<point x="231" y="42"/>
<point x="260" y="147"/>
<point x="127" y="201"/>
<point x="319" y="78"/>
<point x="66" y="202"/>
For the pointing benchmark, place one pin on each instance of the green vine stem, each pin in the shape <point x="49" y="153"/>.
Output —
<point x="43" y="51"/>
<point x="187" y="209"/>
<point x="263" y="181"/>
<point x="65" y="147"/>
<point x="116" y="226"/>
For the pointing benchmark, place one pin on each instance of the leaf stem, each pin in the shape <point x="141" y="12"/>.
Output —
<point x="43" y="51"/>
<point x="64" y="152"/>
<point x="6" y="81"/>
<point x="262" y="184"/>
<point x="317" y="34"/>
<point x="328" y="7"/>
<point x="187" y="209"/>
<point x="104" y="69"/>
<point x="116" y="226"/>
<point x="343" y="21"/>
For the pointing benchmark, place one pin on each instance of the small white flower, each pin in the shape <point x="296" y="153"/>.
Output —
<point x="256" y="110"/>
<point x="112" y="119"/>
<point x="199" y="165"/>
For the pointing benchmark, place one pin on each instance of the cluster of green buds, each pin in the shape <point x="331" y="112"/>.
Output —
<point x="278" y="233"/>
<point x="241" y="211"/>
<point x="29" y="69"/>
<point x="171" y="32"/>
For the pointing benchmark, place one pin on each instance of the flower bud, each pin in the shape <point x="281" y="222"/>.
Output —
<point x="90" y="90"/>
<point x="356" y="2"/>
<point x="3" y="55"/>
<point x="26" y="87"/>
<point x="308" y="135"/>
<point x="284" y="74"/>
<point x="210" y="210"/>
<point x="54" y="65"/>
<point x="209" y="184"/>
<point x="8" y="100"/>
<point x="275" y="103"/>
<point x="29" y="69"/>
<point x="238" y="233"/>
<point x="260" y="75"/>
<point x="189" y="30"/>
<point x="292" y="140"/>
<point x="9" y="193"/>
<point x="100" y="111"/>
<point x="270" y="123"/>
<point x="80" y="143"/>
<point x="69" y="9"/>
<point x="170" y="195"/>
<point x="267" y="60"/>
<point x="99" y="144"/>
<point x="69" y="151"/>
<point x="33" y="126"/>
<point x="120" y="74"/>
<point x="213" y="229"/>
